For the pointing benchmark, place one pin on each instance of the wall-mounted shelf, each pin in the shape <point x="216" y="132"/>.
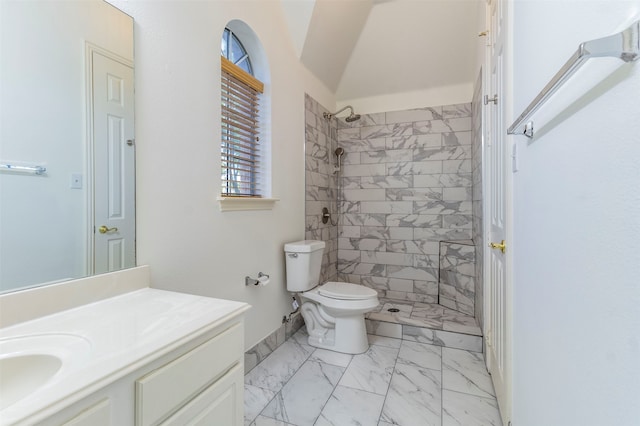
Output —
<point x="624" y="45"/>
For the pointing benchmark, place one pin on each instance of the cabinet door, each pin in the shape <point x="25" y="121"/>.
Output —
<point x="96" y="415"/>
<point x="219" y="404"/>
<point x="168" y="388"/>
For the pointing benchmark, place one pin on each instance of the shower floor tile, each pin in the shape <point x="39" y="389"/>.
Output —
<point x="426" y="315"/>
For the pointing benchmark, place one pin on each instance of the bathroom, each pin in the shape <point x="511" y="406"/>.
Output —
<point x="193" y="247"/>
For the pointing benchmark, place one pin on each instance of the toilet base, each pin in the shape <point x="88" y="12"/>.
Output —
<point x="348" y="334"/>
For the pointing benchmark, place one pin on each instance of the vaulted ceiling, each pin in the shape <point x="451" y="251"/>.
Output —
<point x="366" y="48"/>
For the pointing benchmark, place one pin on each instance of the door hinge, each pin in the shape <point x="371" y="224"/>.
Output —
<point x="487" y="99"/>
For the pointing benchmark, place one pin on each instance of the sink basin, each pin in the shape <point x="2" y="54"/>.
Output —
<point x="21" y="375"/>
<point x="27" y="363"/>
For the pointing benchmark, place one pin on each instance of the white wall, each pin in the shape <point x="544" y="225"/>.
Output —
<point x="43" y="222"/>
<point x="429" y="89"/>
<point x="190" y="245"/>
<point x="576" y="324"/>
<point x="433" y="97"/>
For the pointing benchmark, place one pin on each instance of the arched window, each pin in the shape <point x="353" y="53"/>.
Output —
<point x="241" y="152"/>
<point x="232" y="49"/>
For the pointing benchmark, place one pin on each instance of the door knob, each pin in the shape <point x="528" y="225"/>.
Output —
<point x="104" y="229"/>
<point x="501" y="246"/>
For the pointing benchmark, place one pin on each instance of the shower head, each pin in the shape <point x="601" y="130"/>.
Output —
<point x="339" y="152"/>
<point x="351" y="118"/>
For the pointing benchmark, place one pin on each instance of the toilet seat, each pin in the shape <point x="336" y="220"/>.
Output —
<point x="346" y="291"/>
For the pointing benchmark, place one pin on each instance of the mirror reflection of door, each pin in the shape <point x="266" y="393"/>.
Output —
<point x="113" y="221"/>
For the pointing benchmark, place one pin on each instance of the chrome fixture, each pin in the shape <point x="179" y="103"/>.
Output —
<point x="624" y="45"/>
<point x="252" y="281"/>
<point x="325" y="215"/>
<point x="38" y="170"/>
<point x="487" y="99"/>
<point x="351" y="118"/>
<point x="339" y="153"/>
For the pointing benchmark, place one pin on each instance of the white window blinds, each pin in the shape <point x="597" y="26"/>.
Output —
<point x="240" y="147"/>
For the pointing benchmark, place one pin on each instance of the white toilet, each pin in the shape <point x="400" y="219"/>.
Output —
<point x="333" y="312"/>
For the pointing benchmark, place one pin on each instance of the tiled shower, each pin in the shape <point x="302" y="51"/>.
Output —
<point x="404" y="225"/>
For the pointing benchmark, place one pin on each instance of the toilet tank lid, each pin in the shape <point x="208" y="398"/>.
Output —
<point x="304" y="246"/>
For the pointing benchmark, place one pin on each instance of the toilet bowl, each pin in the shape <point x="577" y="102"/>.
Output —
<point x="333" y="312"/>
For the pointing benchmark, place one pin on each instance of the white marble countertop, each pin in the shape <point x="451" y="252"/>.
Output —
<point x="121" y="334"/>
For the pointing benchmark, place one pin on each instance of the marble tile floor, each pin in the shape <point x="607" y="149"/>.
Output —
<point x="396" y="382"/>
<point x="427" y="315"/>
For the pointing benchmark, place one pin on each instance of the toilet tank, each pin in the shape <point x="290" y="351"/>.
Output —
<point x="304" y="259"/>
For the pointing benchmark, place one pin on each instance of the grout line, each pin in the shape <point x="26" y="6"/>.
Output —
<point x="389" y="386"/>
<point x="441" y="387"/>
<point x="334" y="388"/>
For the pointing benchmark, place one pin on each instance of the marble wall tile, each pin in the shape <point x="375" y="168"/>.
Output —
<point x="387" y="130"/>
<point x="386" y="207"/>
<point x="321" y="184"/>
<point x="364" y="194"/>
<point x="456" y="110"/>
<point x="411" y="115"/>
<point x="457" y="276"/>
<point x="477" y="197"/>
<point x="456" y="138"/>
<point x="414" y="141"/>
<point x="351" y="144"/>
<point x="412" y="273"/>
<point x="386" y="258"/>
<point x="442" y="180"/>
<point x="456" y="166"/>
<point x="349" y="170"/>
<point x="410" y="246"/>
<point x="406" y="186"/>
<point x="386" y="156"/>
<point x="367" y="182"/>
<point x="386" y="329"/>
<point x="442" y="338"/>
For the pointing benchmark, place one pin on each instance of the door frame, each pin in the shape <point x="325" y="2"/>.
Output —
<point x="89" y="184"/>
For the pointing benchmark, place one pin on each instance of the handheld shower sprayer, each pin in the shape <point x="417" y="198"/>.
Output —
<point x="339" y="152"/>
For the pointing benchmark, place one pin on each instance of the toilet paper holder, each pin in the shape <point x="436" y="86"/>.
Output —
<point x="262" y="279"/>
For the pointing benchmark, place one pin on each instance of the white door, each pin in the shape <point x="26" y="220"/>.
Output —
<point x="498" y="312"/>
<point x="113" y="164"/>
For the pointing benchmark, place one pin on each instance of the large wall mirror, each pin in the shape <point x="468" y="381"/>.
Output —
<point x="67" y="148"/>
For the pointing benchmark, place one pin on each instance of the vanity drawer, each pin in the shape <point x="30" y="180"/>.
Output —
<point x="165" y="390"/>
<point x="219" y="404"/>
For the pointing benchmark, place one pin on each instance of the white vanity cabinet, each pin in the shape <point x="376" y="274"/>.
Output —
<point x="98" y="414"/>
<point x="201" y="383"/>
<point x="154" y="358"/>
<point x="200" y="387"/>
